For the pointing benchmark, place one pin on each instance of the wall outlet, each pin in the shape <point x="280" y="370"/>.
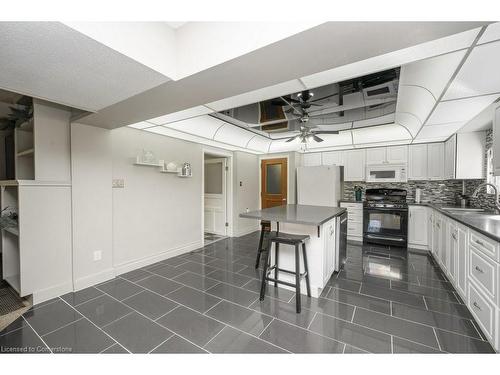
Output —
<point x="97" y="255"/>
<point x="247" y="210"/>
<point x="118" y="183"/>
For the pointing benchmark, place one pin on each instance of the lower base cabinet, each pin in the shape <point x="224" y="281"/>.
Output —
<point x="471" y="263"/>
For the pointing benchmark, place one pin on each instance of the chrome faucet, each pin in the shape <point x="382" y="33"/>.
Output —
<point x="497" y="205"/>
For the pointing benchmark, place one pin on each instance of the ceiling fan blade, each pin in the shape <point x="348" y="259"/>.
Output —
<point x="292" y="138"/>
<point x="291" y="106"/>
<point x="324" y="97"/>
<point x="326" y="132"/>
<point x="316" y="138"/>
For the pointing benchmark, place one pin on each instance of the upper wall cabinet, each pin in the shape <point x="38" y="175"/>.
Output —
<point x="354" y="165"/>
<point x="417" y="162"/>
<point x="496" y="142"/>
<point x="384" y="155"/>
<point x="435" y="161"/>
<point x="464" y="156"/>
<point x="332" y="158"/>
<point x="311" y="160"/>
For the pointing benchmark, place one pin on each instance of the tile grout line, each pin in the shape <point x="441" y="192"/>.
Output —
<point x="209" y="341"/>
<point x="435" y="335"/>
<point x="310" y="323"/>
<point x="64" y="326"/>
<point x="36" y="333"/>
<point x="95" y="325"/>
<point x="392" y="344"/>
<point x="161" y="343"/>
<point x="116" y="320"/>
<point x="425" y="303"/>
<point x="267" y="325"/>
<point x="102" y="351"/>
<point x="353" y="313"/>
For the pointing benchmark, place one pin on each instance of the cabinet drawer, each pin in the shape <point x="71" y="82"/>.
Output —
<point x="354" y="229"/>
<point x="355" y="217"/>
<point x="484" y="245"/>
<point x="358" y="206"/>
<point x="483" y="310"/>
<point x="484" y="272"/>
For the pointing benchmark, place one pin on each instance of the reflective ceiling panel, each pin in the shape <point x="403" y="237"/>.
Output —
<point x="369" y="100"/>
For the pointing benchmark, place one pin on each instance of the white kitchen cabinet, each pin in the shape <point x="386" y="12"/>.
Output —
<point x="461" y="260"/>
<point x="354" y="165"/>
<point x="332" y="158"/>
<point x="436" y="236"/>
<point x="430" y="230"/>
<point x="329" y="255"/>
<point x="435" y="161"/>
<point x="469" y="159"/>
<point x="449" y="157"/>
<point x="417" y="226"/>
<point x="417" y="162"/>
<point x="311" y="160"/>
<point x="451" y="249"/>
<point x="376" y="155"/>
<point x="354" y="220"/>
<point x="397" y="154"/>
<point x="496" y="142"/>
<point x="386" y="155"/>
<point x="443" y="233"/>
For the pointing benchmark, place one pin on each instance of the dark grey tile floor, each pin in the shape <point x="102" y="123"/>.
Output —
<point x="385" y="300"/>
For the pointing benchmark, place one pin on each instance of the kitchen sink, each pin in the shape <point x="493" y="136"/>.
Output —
<point x="460" y="210"/>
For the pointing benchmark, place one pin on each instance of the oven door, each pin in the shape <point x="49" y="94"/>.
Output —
<point x="388" y="226"/>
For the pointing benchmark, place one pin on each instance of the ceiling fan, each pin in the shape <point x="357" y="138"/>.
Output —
<point x="306" y="134"/>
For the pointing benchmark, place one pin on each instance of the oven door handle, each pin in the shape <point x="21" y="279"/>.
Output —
<point x="385" y="209"/>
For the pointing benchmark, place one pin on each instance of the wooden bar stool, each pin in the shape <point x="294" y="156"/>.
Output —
<point x="265" y="227"/>
<point x="297" y="241"/>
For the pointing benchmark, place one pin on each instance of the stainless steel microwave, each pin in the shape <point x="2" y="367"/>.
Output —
<point x="386" y="173"/>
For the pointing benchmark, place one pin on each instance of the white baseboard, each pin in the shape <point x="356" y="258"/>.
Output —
<point x="246" y="230"/>
<point x="146" y="261"/>
<point x="96" y="278"/>
<point x="418" y="247"/>
<point x="43" y="295"/>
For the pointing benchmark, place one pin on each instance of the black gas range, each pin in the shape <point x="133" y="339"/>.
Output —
<point x="385" y="217"/>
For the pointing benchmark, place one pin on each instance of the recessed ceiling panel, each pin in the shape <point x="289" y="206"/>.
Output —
<point x="408" y="121"/>
<point x="492" y="33"/>
<point x="181" y="115"/>
<point x="430" y="132"/>
<point x="52" y="61"/>
<point x="479" y="75"/>
<point x="203" y="126"/>
<point x="415" y="100"/>
<point x="461" y="110"/>
<point x="259" y="143"/>
<point x="256" y="95"/>
<point x="384" y="119"/>
<point x="282" y="146"/>
<point x="142" y="125"/>
<point x="432" y="74"/>
<point x="332" y="140"/>
<point x="383" y="133"/>
<point x="233" y="135"/>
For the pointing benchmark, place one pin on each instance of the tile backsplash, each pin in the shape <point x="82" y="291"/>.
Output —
<point x="439" y="192"/>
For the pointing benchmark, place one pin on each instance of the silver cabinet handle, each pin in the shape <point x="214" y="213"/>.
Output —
<point x="479" y="269"/>
<point x="454" y="236"/>
<point x="477" y="306"/>
<point x="479" y="243"/>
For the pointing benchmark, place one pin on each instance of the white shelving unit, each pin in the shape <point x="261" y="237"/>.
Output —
<point x="161" y="164"/>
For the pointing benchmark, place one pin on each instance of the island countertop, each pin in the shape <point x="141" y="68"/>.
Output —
<point x="296" y="213"/>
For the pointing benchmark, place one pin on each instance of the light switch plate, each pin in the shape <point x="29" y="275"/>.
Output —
<point x="118" y="183"/>
<point x="97" y="255"/>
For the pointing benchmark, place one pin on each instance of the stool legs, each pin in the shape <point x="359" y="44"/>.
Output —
<point x="306" y="269"/>
<point x="264" y="271"/>
<point x="259" y="250"/>
<point x="276" y="256"/>
<point x="297" y="279"/>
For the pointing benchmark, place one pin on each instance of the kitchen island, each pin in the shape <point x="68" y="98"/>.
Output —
<point x="326" y="227"/>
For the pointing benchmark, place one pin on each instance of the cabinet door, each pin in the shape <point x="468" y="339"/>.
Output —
<point x="436" y="237"/>
<point x="461" y="261"/>
<point x="397" y="154"/>
<point x="417" y="226"/>
<point x="449" y="158"/>
<point x="435" y="161"/>
<point x="354" y="165"/>
<point x="311" y="160"/>
<point x="430" y="229"/>
<point x="417" y="162"/>
<point x="496" y="142"/>
<point x="443" y="234"/>
<point x="452" y="250"/>
<point x="332" y="158"/>
<point x="376" y="155"/>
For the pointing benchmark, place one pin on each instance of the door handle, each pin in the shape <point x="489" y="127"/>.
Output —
<point x="477" y="306"/>
<point x="479" y="269"/>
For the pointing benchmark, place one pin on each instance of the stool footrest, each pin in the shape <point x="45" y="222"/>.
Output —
<point x="270" y="269"/>
<point x="280" y="281"/>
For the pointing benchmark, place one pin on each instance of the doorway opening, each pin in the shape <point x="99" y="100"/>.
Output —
<point x="215" y="198"/>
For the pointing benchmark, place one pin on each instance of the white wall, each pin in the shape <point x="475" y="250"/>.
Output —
<point x="91" y="164"/>
<point x="246" y="171"/>
<point x="157" y="215"/>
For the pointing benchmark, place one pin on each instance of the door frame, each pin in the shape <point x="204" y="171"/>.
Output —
<point x="229" y="189"/>
<point x="275" y="156"/>
<point x="224" y="199"/>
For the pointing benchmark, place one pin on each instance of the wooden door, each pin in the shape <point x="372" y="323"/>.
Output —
<point x="274" y="182"/>
<point x="215" y="196"/>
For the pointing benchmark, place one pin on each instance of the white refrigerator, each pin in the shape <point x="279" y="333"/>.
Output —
<point x="320" y="186"/>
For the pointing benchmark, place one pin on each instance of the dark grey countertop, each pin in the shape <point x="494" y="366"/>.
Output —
<point x="296" y="213"/>
<point x="485" y="223"/>
<point x="350" y="201"/>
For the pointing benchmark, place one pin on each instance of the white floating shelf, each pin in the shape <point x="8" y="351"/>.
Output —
<point x="27" y="152"/>
<point x="149" y="164"/>
<point x="167" y="171"/>
<point x="184" y="175"/>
